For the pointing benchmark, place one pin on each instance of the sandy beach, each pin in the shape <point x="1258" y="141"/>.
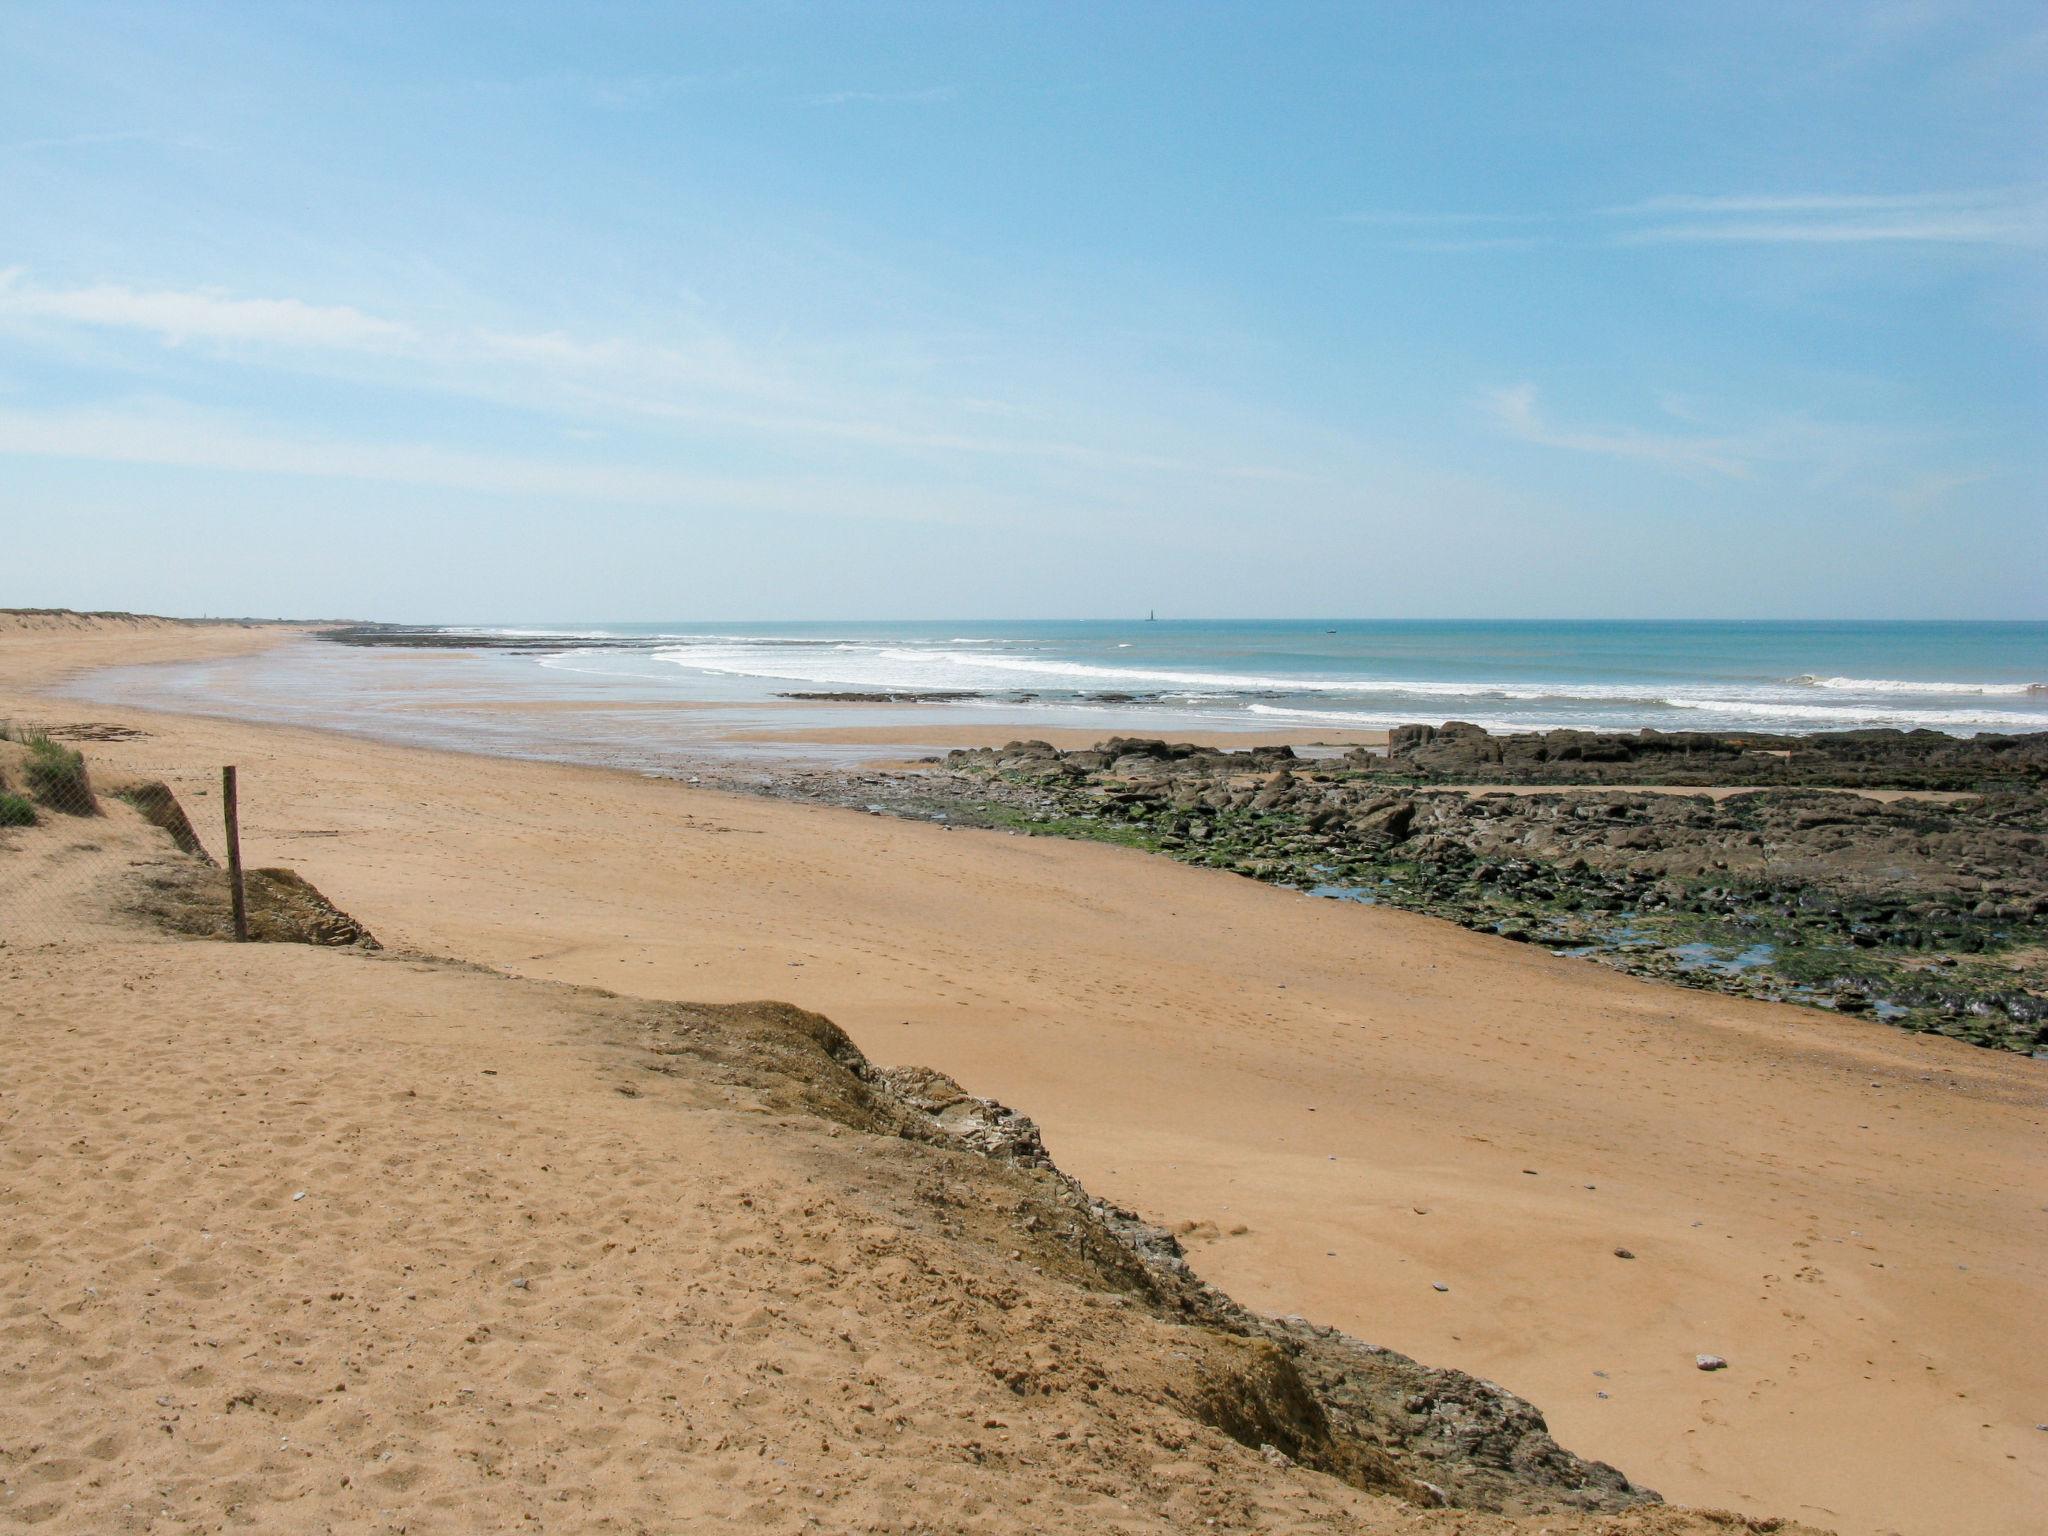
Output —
<point x="1342" y="1108"/>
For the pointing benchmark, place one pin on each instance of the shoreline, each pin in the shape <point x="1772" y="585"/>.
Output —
<point x="941" y="736"/>
<point x="1175" y="1029"/>
<point x="452" y="700"/>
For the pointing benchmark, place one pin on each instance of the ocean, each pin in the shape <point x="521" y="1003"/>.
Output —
<point x="1353" y="673"/>
<point x="1130" y="677"/>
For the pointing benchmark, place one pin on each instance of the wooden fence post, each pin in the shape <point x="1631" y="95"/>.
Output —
<point x="227" y="803"/>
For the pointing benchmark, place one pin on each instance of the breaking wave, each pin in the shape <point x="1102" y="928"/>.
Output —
<point x="1909" y="686"/>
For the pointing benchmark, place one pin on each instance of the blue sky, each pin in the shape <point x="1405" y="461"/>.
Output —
<point x="508" y="311"/>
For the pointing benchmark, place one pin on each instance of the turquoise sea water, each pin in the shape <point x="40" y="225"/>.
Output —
<point x="1339" y="673"/>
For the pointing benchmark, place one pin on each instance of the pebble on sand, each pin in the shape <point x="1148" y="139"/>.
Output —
<point x="1710" y="1362"/>
<point x="1438" y="1285"/>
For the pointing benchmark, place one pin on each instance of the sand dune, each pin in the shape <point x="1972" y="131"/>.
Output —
<point x="1381" y="1103"/>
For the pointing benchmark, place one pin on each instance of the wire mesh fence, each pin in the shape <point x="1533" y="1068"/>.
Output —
<point x="84" y="845"/>
<point x="100" y="847"/>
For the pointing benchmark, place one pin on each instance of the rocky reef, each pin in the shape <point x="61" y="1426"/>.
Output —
<point x="1929" y="911"/>
<point x="1460" y="753"/>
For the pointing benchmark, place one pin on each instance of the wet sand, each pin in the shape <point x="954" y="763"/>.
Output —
<point x="942" y="734"/>
<point x="466" y="700"/>
<point x="1851" y="1215"/>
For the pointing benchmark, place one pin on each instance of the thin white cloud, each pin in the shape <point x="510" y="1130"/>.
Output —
<point x="1990" y="216"/>
<point x="1808" y="202"/>
<point x="1791" y="448"/>
<point x="176" y="437"/>
<point x="1927" y="494"/>
<point x="1516" y="412"/>
<point x="1945" y="231"/>
<point x="711" y="383"/>
<point x="175" y="317"/>
<point x="929" y="95"/>
<point x="916" y="436"/>
<point x="1993" y="216"/>
<point x="90" y="140"/>
<point x="712" y="365"/>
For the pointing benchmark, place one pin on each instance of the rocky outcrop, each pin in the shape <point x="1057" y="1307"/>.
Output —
<point x="1930" y="913"/>
<point x="1458" y="752"/>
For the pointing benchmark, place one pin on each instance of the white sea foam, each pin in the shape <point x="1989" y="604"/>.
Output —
<point x="1910" y="685"/>
<point x="894" y="666"/>
<point x="1721" y="713"/>
<point x="1872" y="715"/>
<point x="527" y="634"/>
<point x="566" y="661"/>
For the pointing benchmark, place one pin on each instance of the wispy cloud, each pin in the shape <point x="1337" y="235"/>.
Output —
<point x="1801" y="202"/>
<point x="175" y="317"/>
<point x="1994" y="216"/>
<point x="1792" y="449"/>
<point x="718" y="386"/>
<point x="712" y="364"/>
<point x="709" y="386"/>
<point x="1927" y="494"/>
<point x="929" y="95"/>
<point x="1516" y="412"/>
<point x="1991" y="216"/>
<point x="174" y="436"/>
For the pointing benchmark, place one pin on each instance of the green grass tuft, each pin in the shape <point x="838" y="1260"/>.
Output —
<point x="16" y="811"/>
<point x="57" y="778"/>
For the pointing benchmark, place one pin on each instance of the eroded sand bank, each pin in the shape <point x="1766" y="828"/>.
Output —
<point x="1852" y="1216"/>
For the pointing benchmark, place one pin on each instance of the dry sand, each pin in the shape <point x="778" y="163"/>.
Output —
<point x="317" y="1241"/>
<point x="1851" y="1215"/>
